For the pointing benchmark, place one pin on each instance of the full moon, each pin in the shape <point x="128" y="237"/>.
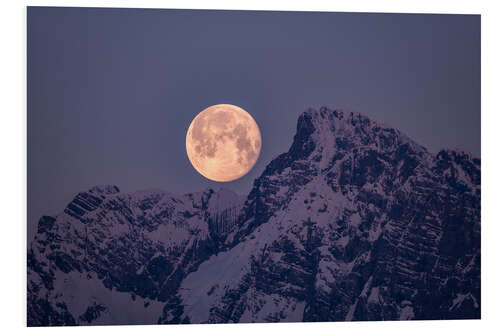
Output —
<point x="223" y="142"/>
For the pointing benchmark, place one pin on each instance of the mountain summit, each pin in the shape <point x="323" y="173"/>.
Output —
<point x="355" y="222"/>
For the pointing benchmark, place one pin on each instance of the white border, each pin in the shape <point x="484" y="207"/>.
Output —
<point x="13" y="156"/>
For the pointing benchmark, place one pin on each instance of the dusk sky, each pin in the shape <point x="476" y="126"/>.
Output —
<point x="112" y="92"/>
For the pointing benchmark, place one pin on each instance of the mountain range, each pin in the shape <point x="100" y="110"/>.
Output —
<point x="355" y="222"/>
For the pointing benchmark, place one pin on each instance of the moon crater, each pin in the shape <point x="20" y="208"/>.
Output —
<point x="223" y="142"/>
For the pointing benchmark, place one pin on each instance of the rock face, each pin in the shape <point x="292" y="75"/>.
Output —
<point x="355" y="222"/>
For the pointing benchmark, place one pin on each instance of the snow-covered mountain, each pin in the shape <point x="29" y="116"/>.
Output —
<point x="355" y="222"/>
<point x="118" y="258"/>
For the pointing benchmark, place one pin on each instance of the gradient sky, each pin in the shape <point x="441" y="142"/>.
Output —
<point x="111" y="92"/>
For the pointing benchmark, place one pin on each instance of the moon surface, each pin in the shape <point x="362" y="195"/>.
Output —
<point x="223" y="142"/>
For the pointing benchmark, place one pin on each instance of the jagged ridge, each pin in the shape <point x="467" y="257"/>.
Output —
<point x="355" y="222"/>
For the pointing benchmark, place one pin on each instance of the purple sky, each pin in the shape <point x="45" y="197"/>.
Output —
<point x="111" y="92"/>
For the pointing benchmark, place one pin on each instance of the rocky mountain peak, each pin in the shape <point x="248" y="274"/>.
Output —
<point x="88" y="201"/>
<point x="334" y="130"/>
<point x="326" y="134"/>
<point x="105" y="189"/>
<point x="343" y="149"/>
